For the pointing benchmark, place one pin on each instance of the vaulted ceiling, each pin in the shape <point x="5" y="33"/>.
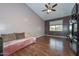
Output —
<point x="62" y="9"/>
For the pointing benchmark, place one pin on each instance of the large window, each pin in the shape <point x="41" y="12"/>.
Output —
<point x="56" y="26"/>
<point x="52" y="28"/>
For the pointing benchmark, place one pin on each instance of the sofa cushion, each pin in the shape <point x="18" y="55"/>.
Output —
<point x="20" y="35"/>
<point x="8" y="37"/>
<point x="13" y="46"/>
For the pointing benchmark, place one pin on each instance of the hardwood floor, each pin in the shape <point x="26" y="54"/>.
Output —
<point x="46" y="46"/>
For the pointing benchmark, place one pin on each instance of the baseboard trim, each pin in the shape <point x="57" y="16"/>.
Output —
<point x="51" y="36"/>
<point x="57" y="36"/>
<point x="40" y="36"/>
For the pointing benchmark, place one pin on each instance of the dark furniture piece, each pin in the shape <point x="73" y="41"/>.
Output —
<point x="73" y="34"/>
<point x="1" y="47"/>
<point x="75" y="16"/>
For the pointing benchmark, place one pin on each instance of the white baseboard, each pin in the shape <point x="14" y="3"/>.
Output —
<point x="51" y="35"/>
<point x="40" y="36"/>
<point x="57" y="36"/>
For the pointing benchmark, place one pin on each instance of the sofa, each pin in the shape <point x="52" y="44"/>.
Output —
<point x="15" y="41"/>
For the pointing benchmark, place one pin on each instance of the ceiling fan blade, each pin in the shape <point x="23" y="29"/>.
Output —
<point x="44" y="10"/>
<point x="46" y="5"/>
<point x="54" y="5"/>
<point x="53" y="9"/>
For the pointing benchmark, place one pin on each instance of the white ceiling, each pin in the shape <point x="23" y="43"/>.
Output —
<point x="62" y="9"/>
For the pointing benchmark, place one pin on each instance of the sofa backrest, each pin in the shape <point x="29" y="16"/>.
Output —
<point x="8" y="37"/>
<point x="12" y="36"/>
<point x="19" y="35"/>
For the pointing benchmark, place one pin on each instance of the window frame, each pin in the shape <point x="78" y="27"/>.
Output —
<point x="55" y="28"/>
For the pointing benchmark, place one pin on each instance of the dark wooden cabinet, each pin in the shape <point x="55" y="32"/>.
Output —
<point x="75" y="15"/>
<point x="1" y="46"/>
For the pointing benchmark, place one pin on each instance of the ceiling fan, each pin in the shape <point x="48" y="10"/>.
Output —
<point x="49" y="8"/>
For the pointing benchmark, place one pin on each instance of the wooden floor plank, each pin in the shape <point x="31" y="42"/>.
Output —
<point x="46" y="46"/>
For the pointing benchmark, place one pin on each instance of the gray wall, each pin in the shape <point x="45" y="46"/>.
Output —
<point x="20" y="18"/>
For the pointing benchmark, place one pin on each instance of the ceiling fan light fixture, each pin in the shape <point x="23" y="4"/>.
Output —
<point x="49" y="10"/>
